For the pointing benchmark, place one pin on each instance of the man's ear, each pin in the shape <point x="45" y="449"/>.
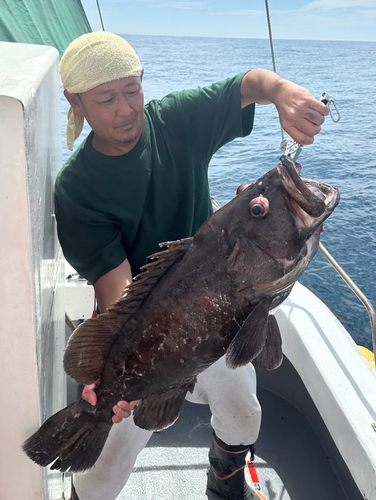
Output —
<point x="75" y="102"/>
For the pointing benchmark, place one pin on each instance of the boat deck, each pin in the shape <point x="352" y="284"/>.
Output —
<point x="290" y="462"/>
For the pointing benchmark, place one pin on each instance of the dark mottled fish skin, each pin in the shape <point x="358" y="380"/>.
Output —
<point x="201" y="298"/>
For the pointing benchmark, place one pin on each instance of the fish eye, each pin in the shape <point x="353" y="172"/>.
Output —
<point x="257" y="210"/>
<point x="259" y="207"/>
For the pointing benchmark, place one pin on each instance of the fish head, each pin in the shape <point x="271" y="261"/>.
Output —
<point x="273" y="228"/>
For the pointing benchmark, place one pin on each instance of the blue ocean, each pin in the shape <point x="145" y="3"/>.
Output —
<point x="344" y="154"/>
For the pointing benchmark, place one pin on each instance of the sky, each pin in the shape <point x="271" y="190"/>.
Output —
<point x="352" y="20"/>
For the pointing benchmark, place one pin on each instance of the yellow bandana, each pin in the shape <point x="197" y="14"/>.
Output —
<point x="91" y="60"/>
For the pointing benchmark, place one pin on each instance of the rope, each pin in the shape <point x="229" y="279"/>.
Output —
<point x="272" y="47"/>
<point x="100" y="15"/>
<point x="270" y="34"/>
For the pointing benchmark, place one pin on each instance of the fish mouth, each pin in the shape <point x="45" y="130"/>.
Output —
<point x="311" y="201"/>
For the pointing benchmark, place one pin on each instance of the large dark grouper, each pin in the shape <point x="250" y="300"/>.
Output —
<point x="199" y="299"/>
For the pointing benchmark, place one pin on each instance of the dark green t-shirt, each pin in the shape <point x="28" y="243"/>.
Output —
<point x="110" y="208"/>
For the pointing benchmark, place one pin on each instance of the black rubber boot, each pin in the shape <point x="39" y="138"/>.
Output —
<point x="226" y="474"/>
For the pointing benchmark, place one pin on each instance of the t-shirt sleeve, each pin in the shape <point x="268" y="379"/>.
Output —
<point x="90" y="240"/>
<point x="212" y="115"/>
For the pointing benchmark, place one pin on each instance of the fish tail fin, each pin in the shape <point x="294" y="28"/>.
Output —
<point x="72" y="438"/>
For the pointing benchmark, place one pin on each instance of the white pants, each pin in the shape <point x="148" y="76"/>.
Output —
<point x="236" y="419"/>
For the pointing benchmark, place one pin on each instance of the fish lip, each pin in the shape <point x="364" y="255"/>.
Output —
<point x="323" y="196"/>
<point x="330" y="196"/>
<point x="296" y="188"/>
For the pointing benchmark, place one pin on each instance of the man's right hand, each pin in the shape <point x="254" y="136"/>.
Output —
<point x="123" y="409"/>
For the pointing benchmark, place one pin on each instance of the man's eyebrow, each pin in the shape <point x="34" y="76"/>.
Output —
<point x="128" y="85"/>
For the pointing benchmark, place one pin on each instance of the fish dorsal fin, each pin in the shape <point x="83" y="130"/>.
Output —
<point x="251" y="337"/>
<point x="91" y="342"/>
<point x="158" y="264"/>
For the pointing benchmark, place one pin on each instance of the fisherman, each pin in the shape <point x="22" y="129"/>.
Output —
<point x="141" y="178"/>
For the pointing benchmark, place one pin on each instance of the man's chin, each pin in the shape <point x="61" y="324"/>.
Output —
<point x="129" y="137"/>
<point x="129" y="140"/>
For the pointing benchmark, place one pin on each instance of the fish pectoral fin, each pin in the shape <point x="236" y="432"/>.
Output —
<point x="158" y="412"/>
<point x="89" y="346"/>
<point x="271" y="355"/>
<point x="251" y="337"/>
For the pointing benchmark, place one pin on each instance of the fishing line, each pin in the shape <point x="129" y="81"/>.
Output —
<point x="272" y="47"/>
<point x="100" y="15"/>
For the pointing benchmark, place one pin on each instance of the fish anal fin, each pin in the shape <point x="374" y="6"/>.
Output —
<point x="159" y="412"/>
<point x="89" y="346"/>
<point x="271" y="355"/>
<point x="250" y="338"/>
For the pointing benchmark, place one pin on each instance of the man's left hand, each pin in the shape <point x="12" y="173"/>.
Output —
<point x="300" y="114"/>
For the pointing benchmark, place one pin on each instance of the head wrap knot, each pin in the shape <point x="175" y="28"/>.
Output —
<point x="93" y="59"/>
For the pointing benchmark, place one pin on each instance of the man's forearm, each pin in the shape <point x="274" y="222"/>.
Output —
<point x="109" y="288"/>
<point x="260" y="86"/>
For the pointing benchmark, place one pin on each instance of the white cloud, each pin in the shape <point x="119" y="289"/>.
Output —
<point x="181" y="5"/>
<point x="340" y="4"/>
<point x="240" y="13"/>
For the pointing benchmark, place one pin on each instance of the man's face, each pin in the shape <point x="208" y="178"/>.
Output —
<point x="115" y="112"/>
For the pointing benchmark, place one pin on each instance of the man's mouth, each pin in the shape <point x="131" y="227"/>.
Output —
<point x="126" y="125"/>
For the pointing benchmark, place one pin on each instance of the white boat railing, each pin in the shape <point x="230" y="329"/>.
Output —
<point x="367" y="304"/>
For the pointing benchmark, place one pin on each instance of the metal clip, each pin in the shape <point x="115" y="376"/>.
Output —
<point x="333" y="109"/>
<point x="291" y="149"/>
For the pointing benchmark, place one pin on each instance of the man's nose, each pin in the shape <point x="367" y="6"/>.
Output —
<point x="123" y="107"/>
